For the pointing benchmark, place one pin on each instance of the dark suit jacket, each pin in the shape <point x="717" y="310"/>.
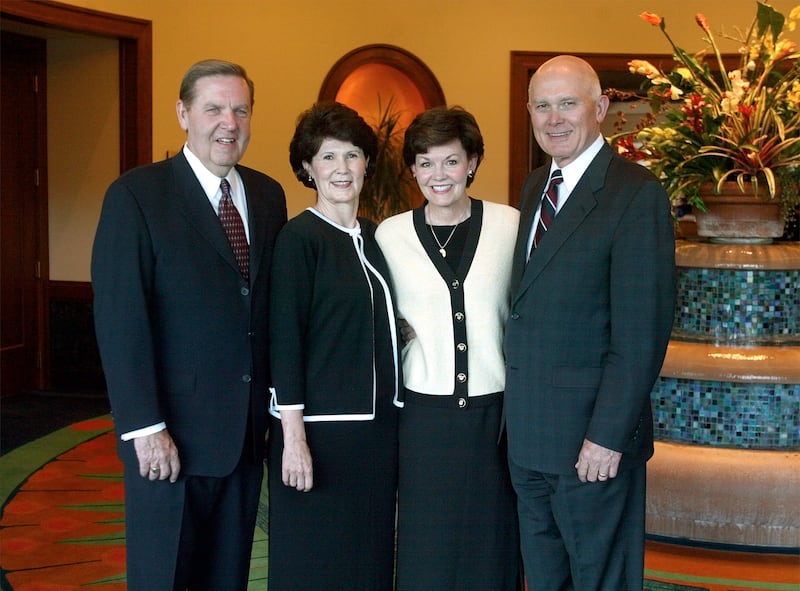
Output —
<point x="590" y="319"/>
<point x="183" y="337"/>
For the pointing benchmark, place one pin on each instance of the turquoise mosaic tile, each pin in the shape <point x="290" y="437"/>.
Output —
<point x="738" y="306"/>
<point x="727" y="414"/>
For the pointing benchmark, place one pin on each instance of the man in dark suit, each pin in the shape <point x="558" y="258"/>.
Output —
<point x="181" y="321"/>
<point x="592" y="307"/>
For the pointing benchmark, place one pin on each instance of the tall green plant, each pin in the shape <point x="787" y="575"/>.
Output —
<point x="391" y="189"/>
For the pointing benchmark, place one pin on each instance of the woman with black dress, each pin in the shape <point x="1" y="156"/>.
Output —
<point x="450" y="263"/>
<point x="332" y="461"/>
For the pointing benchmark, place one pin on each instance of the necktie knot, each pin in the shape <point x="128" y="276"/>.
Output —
<point x="556" y="178"/>
<point x="234" y="228"/>
<point x="225" y="187"/>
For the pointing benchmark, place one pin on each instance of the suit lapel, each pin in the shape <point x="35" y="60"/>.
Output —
<point x="581" y="202"/>
<point x="529" y="201"/>
<point x="256" y="219"/>
<point x="198" y="211"/>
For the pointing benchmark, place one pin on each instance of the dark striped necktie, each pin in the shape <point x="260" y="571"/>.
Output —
<point x="548" y="208"/>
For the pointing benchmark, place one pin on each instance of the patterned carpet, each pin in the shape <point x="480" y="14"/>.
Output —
<point x="62" y="527"/>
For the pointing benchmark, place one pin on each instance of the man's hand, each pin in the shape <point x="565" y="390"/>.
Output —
<point x="158" y="456"/>
<point x="597" y="463"/>
<point x="406" y="331"/>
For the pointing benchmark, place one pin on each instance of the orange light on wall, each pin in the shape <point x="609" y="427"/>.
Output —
<point x="370" y="88"/>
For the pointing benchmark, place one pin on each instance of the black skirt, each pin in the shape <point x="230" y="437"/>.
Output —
<point x="339" y="535"/>
<point x="457" y="520"/>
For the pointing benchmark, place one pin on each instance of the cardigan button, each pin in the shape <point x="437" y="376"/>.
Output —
<point x="461" y="347"/>
<point x="455" y="284"/>
<point x="462" y="377"/>
<point x="462" y="402"/>
<point x="459" y="316"/>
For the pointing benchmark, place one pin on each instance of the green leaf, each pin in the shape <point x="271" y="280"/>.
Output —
<point x="769" y="18"/>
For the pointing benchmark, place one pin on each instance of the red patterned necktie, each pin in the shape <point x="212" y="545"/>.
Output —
<point x="234" y="228"/>
<point x="549" y="206"/>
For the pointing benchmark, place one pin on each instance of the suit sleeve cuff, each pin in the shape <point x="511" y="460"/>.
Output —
<point x="144" y="431"/>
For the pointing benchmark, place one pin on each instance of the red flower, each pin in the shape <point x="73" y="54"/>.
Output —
<point x="746" y="110"/>
<point x="693" y="108"/>
<point x="651" y="18"/>
<point x="701" y="20"/>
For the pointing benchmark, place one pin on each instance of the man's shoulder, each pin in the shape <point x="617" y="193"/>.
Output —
<point x="256" y="178"/>
<point x="151" y="172"/>
<point x="144" y="182"/>
<point x="620" y="166"/>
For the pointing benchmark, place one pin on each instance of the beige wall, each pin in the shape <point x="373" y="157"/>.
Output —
<point x="288" y="46"/>
<point x="82" y="145"/>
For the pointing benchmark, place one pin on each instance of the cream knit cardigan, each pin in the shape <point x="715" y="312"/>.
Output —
<point x="423" y="299"/>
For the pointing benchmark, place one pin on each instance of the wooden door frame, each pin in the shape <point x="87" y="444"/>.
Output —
<point x="135" y="38"/>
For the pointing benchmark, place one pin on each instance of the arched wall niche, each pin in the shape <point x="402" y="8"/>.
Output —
<point x="368" y="78"/>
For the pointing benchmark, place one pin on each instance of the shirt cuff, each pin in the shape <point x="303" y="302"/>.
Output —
<point x="144" y="431"/>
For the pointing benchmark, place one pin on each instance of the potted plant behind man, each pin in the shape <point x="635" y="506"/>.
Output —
<point x="722" y="140"/>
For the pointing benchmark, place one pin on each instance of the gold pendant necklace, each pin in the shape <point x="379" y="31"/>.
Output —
<point x="442" y="250"/>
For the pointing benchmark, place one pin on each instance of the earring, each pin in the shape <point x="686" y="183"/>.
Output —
<point x="310" y="180"/>
<point x="470" y="174"/>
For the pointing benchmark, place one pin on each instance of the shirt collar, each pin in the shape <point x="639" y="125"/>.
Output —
<point x="208" y="180"/>
<point x="573" y="171"/>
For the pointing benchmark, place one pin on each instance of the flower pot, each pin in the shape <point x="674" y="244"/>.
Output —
<point x="736" y="217"/>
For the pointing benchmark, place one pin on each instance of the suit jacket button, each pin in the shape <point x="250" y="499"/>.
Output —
<point x="246" y="378"/>
<point x="515" y="316"/>
<point x="245" y="291"/>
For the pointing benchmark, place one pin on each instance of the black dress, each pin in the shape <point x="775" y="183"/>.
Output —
<point x="332" y="330"/>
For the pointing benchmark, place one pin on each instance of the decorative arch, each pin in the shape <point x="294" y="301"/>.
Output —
<point x="368" y="77"/>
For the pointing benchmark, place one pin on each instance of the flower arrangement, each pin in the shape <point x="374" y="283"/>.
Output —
<point x="709" y="123"/>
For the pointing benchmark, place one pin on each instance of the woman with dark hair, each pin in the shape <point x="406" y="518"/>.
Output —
<point x="333" y="439"/>
<point x="450" y="264"/>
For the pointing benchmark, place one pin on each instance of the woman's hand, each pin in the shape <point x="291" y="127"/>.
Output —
<point x="296" y="467"/>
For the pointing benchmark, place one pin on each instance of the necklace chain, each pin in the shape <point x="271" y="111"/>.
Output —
<point x="442" y="250"/>
<point x="442" y="247"/>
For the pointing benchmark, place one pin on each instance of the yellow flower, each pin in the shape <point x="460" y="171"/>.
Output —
<point x="644" y="68"/>
<point x="793" y="95"/>
<point x="783" y="48"/>
<point x="794" y="15"/>
<point x="674" y="92"/>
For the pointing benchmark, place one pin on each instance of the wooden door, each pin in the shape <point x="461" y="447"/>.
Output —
<point x="23" y="202"/>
